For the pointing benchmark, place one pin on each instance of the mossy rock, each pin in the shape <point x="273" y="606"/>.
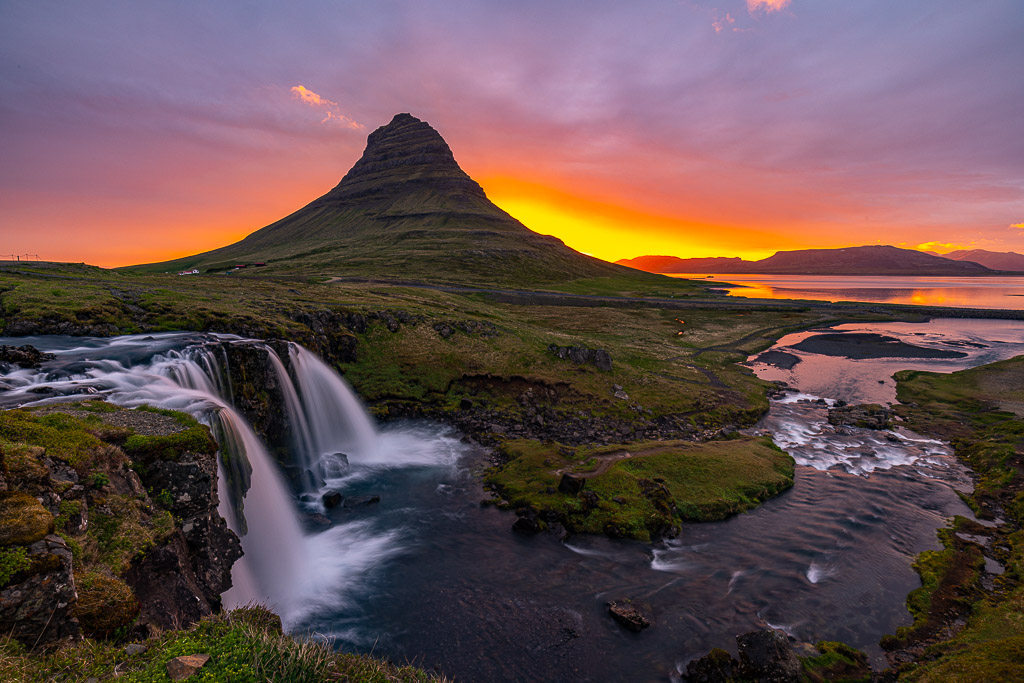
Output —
<point x="836" y="662"/>
<point x="23" y="519"/>
<point x="22" y="462"/>
<point x="105" y="604"/>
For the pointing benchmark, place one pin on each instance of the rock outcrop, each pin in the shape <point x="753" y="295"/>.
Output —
<point x="119" y="530"/>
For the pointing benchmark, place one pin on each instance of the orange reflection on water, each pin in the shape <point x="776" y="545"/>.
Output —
<point x="970" y="292"/>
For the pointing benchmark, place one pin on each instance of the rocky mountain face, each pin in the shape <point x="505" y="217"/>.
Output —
<point x="404" y="210"/>
<point x="866" y="260"/>
<point x="996" y="260"/>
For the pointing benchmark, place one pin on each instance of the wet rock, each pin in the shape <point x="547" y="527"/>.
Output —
<point x="633" y="616"/>
<point x="36" y="604"/>
<point x="581" y="355"/>
<point x="768" y="656"/>
<point x="334" y="465"/>
<point x="529" y="522"/>
<point x="180" y="668"/>
<point x="866" y="416"/>
<point x="571" y="485"/>
<point x="332" y="499"/>
<point x="717" y="666"/>
<point x="171" y="595"/>
<point x="25" y="356"/>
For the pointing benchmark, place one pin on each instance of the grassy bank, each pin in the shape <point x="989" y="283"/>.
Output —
<point x="244" y="646"/>
<point x="981" y="412"/>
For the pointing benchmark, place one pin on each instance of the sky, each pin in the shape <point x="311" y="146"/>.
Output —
<point x="133" y="132"/>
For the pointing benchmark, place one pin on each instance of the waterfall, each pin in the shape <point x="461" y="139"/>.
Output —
<point x="281" y="567"/>
<point x="326" y="415"/>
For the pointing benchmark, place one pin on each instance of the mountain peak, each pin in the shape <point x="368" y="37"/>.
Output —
<point x="406" y="155"/>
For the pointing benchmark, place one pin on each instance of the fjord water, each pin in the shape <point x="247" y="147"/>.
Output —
<point x="964" y="292"/>
<point x="430" y="576"/>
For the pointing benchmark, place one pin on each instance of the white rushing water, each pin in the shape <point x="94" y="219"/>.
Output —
<point x="295" y="573"/>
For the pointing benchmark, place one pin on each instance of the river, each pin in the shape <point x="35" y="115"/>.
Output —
<point x="961" y="292"/>
<point x="428" y="575"/>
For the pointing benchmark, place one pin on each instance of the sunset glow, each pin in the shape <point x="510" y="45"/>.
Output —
<point x="687" y="129"/>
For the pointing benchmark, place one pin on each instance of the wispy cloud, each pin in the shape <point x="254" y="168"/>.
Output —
<point x="330" y="108"/>
<point x="723" y="21"/>
<point x="1019" y="226"/>
<point x="767" y="5"/>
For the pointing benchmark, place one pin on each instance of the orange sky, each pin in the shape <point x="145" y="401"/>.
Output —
<point x="692" y="129"/>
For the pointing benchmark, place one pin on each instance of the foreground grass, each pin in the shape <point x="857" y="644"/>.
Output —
<point x="645" y="489"/>
<point x="244" y="645"/>
<point x="980" y="410"/>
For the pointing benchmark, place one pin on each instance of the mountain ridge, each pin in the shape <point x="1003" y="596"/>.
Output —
<point x="863" y="260"/>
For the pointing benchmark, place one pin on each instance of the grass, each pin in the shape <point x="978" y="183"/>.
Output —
<point x="245" y="646"/>
<point x="645" y="489"/>
<point x="980" y="410"/>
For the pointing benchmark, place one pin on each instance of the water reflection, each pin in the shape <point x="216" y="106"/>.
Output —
<point x="969" y="292"/>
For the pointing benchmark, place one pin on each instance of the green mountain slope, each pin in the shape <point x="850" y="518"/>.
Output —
<point x="405" y="210"/>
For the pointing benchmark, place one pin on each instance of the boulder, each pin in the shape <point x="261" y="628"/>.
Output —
<point x="633" y="616"/>
<point x="25" y="356"/>
<point x="571" y="485"/>
<point x="581" y="355"/>
<point x="866" y="416"/>
<point x="180" y="668"/>
<point x="717" y="666"/>
<point x="767" y="656"/>
<point x="332" y="499"/>
<point x="361" y="501"/>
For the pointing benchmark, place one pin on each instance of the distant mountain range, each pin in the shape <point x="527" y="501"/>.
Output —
<point x="866" y="260"/>
<point x="996" y="260"/>
<point x="405" y="210"/>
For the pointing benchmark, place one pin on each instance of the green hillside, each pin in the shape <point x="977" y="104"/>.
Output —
<point x="405" y="210"/>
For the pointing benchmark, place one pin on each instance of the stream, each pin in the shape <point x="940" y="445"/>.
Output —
<point x="429" y="576"/>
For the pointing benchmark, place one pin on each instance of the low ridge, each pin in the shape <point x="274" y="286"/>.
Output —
<point x="866" y="260"/>
<point x="404" y="210"/>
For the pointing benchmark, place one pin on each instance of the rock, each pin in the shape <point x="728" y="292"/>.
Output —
<point x="36" y="605"/>
<point x="444" y="329"/>
<point x="630" y="615"/>
<point x="581" y="355"/>
<point x="180" y="668"/>
<point x="571" y="485"/>
<point x="717" y="666"/>
<point x="133" y="649"/>
<point x="172" y="597"/>
<point x="768" y="656"/>
<point x="527" y="525"/>
<point x="465" y="404"/>
<point x="334" y="465"/>
<point x="26" y="356"/>
<point x="332" y="498"/>
<point x="867" y="416"/>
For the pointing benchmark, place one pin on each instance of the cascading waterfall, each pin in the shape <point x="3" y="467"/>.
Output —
<point x="281" y="566"/>
<point x="326" y="415"/>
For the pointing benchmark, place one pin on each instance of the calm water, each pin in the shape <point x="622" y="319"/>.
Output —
<point x="966" y="292"/>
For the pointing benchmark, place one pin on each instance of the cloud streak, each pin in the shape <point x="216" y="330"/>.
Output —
<point x="767" y="6"/>
<point x="329" y="108"/>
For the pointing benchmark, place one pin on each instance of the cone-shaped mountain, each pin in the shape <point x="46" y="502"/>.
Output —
<point x="405" y="210"/>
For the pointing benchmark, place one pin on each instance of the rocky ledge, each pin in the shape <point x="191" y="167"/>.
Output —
<point x="110" y="522"/>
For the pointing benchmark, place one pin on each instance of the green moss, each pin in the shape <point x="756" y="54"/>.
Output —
<point x="12" y="561"/>
<point x="63" y="436"/>
<point x="23" y="519"/>
<point x="121" y="529"/>
<point x="643" y="489"/>
<point x="836" y="662"/>
<point x="105" y="604"/>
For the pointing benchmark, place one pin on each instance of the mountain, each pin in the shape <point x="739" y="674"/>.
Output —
<point x="867" y="260"/>
<point x="405" y="210"/>
<point x="996" y="260"/>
